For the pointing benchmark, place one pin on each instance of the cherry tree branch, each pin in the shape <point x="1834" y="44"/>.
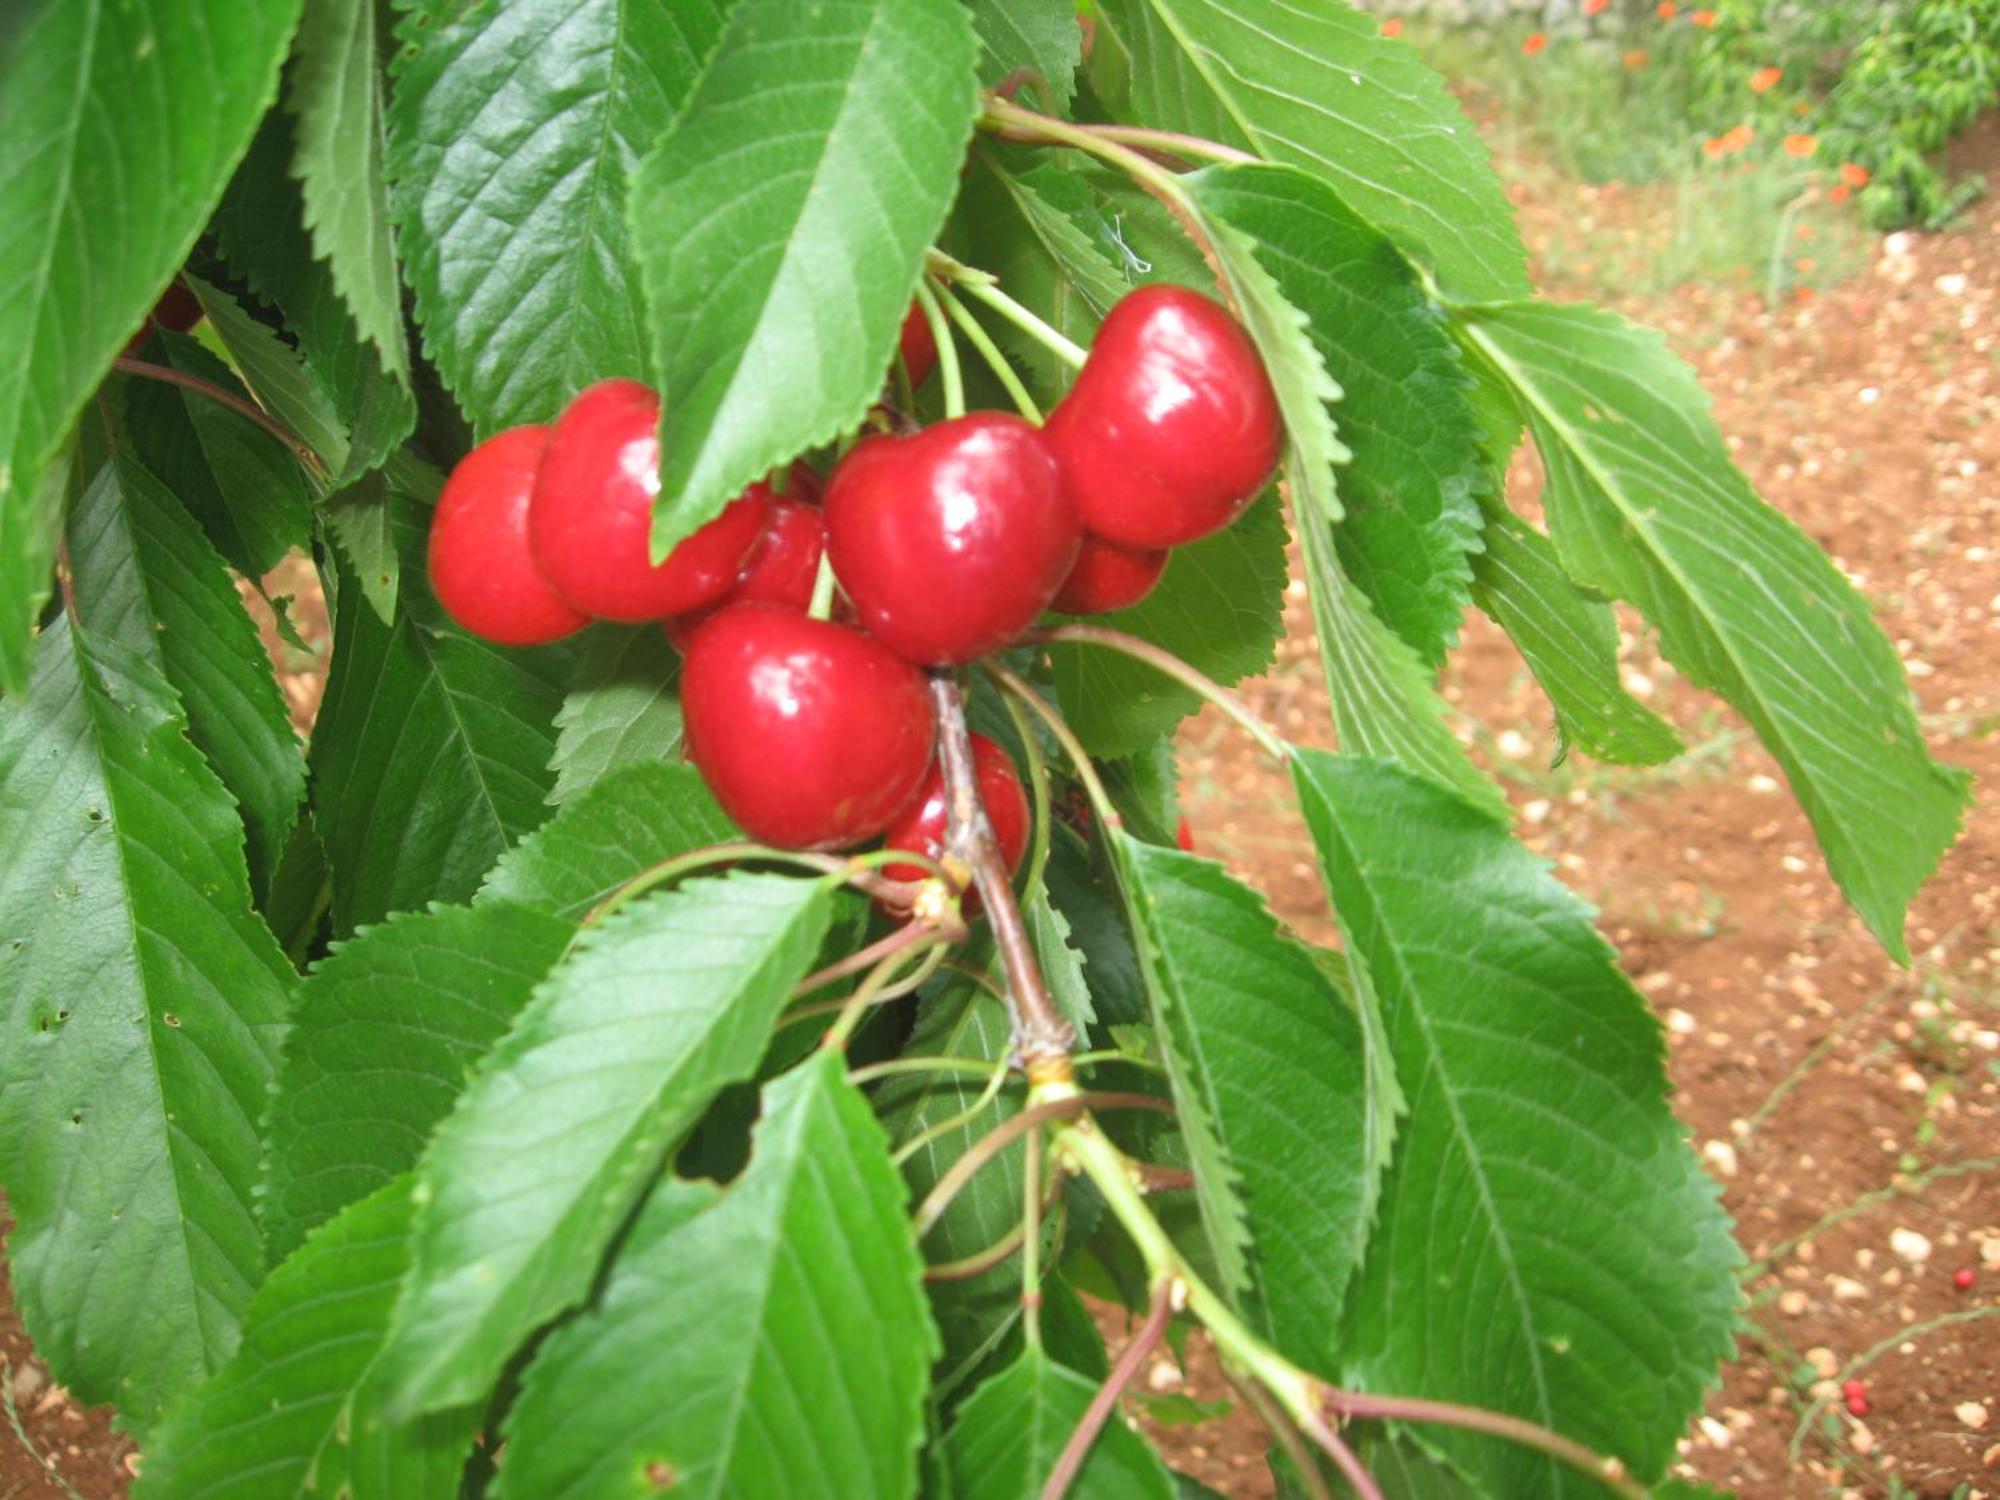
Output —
<point x="1070" y="1461"/>
<point x="167" y="375"/>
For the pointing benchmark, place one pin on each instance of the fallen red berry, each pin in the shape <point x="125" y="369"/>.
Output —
<point x="782" y="567"/>
<point x="479" y="564"/>
<point x="1184" y="835"/>
<point x="1106" y="576"/>
<point x="918" y="345"/>
<point x="811" y="735"/>
<point x="952" y="541"/>
<point x="591" y="521"/>
<point x="1854" y="1393"/>
<point x="1964" y="1278"/>
<point x="1172" y="426"/>
<point x="922" y="827"/>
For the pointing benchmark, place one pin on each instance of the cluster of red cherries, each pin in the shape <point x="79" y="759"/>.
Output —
<point x="947" y="544"/>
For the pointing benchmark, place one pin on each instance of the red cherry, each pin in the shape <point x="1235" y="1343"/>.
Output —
<point x="1854" y="1394"/>
<point x="918" y="345"/>
<point x="479" y="564"/>
<point x="1172" y="426"/>
<point x="1184" y="836"/>
<point x="783" y="567"/>
<point x="592" y="515"/>
<point x="178" y="309"/>
<point x="952" y="541"/>
<point x="810" y="735"/>
<point x="1106" y="576"/>
<point x="1964" y="1278"/>
<point x="921" y="828"/>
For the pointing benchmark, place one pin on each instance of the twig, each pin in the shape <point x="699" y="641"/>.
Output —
<point x="300" y="449"/>
<point x="1609" y="1472"/>
<point x="1286" y="1431"/>
<point x="1345" y="1459"/>
<point x="1042" y="1037"/>
<point x="982" y="1151"/>
<point x="1069" y="1463"/>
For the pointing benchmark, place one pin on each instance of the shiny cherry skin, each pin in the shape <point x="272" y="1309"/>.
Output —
<point x="1172" y="427"/>
<point x="592" y="517"/>
<point x="782" y="569"/>
<point x="179" y="310"/>
<point x="1107" y="576"/>
<point x="918" y="345"/>
<point x="952" y="541"/>
<point x="479" y="564"/>
<point x="922" y="827"/>
<point x="810" y="735"/>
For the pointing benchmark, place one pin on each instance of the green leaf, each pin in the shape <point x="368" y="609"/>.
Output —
<point x="773" y="313"/>
<point x="514" y="134"/>
<point x="241" y="483"/>
<point x="1219" y="607"/>
<point x="1382" y="698"/>
<point x="388" y="1026"/>
<point x="1412" y="520"/>
<point x="1265" y="1059"/>
<point x="1569" y="641"/>
<point x="122" y="124"/>
<point x="1587" y="1280"/>
<point x="623" y="706"/>
<point x="556" y="1135"/>
<point x="276" y="376"/>
<point x="147" y="578"/>
<point x="1006" y="1439"/>
<point x="336" y="93"/>
<point x="431" y="750"/>
<point x="1320" y="88"/>
<point x="773" y="1344"/>
<point x="1645" y="504"/>
<point x="144" y="1002"/>
<point x="633" y="819"/>
<point x="1062" y="961"/>
<point x="261" y="230"/>
<point x="1098" y="930"/>
<point x="1040" y="36"/>
<point x="295" y="1414"/>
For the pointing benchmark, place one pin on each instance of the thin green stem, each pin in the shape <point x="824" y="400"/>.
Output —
<point x="977" y="1067"/>
<point x="984" y="286"/>
<point x="821" y="607"/>
<point x="947" y="349"/>
<point x="1174" y="142"/>
<point x="984" y="1150"/>
<point x="1031" y="1243"/>
<point x="909" y="935"/>
<point x="874" y="987"/>
<point x="700" y="859"/>
<point x="1606" y="1471"/>
<point x="994" y="1083"/>
<point x="981" y="340"/>
<point x="1079" y="758"/>
<point x="1038" y="791"/>
<point x="1164" y="661"/>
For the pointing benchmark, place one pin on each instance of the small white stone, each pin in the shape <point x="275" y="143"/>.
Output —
<point x="1824" y="1362"/>
<point x="1860" y="1439"/>
<point x="1536" y="811"/>
<point x="1721" y="1156"/>
<point x="1716" y="1434"/>
<point x="1164" y="1375"/>
<point x="1910" y="1245"/>
<point x="1792" y="1303"/>
<point x="1639" y="685"/>
<point x="1846" y="1289"/>
<point x="1910" y="1081"/>
<point x="1763" y="785"/>
<point x="1870" y="395"/>
<point x="1952" y="285"/>
<point x="1794" y="864"/>
<point x="1679" y="1022"/>
<point x="1513" y="744"/>
<point x="1971" y="1414"/>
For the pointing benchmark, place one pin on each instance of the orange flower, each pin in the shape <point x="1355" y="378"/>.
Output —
<point x="1534" y="44"/>
<point x="1668" y="10"/>
<point x="1637" y="59"/>
<point x="1730" y="141"/>
<point x="1393" y="27"/>
<point x="1839" y="194"/>
<point x="1765" y="79"/>
<point x="1853" y="174"/>
<point x="1702" y="18"/>
<point x="1595" y="7"/>
<point x="1801" y="145"/>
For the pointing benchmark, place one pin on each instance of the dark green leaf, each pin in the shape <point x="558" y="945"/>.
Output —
<point x="144" y="1003"/>
<point x="1588" y="1280"/>
<point x="1569" y="641"/>
<point x="774" y="313"/>
<point x="295" y="908"/>
<point x="514" y="133"/>
<point x="1319" y="87"/>
<point x="336" y="93"/>
<point x="1038" y="36"/>
<point x="1098" y="929"/>
<point x="296" y="1413"/>
<point x="241" y="483"/>
<point x="147" y="578"/>
<point x="556" y="1135"/>
<point x="1007" y="1437"/>
<point x="1062" y="961"/>
<point x="431" y="750"/>
<point x="1645" y="504"/>
<point x="121" y="124"/>
<point x="276" y="376"/>
<point x="388" y="1026"/>
<point x="1408" y="488"/>
<point x="1266" y="1064"/>
<point x="1219" y="607"/>
<point x="773" y="1344"/>
<point x="623" y="706"/>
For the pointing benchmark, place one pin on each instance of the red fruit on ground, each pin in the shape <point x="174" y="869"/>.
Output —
<point x="917" y="345"/>
<point x="810" y="735"/>
<point x="1172" y="427"/>
<point x="782" y="568"/>
<point x="952" y="541"/>
<point x="1854" y="1394"/>
<point x="591" y="521"/>
<point x="1106" y="577"/>
<point x="922" y="827"/>
<point x="1184" y="836"/>
<point x="1964" y="1278"/>
<point x="480" y="568"/>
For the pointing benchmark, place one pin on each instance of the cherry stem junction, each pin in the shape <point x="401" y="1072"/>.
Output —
<point x="1172" y="666"/>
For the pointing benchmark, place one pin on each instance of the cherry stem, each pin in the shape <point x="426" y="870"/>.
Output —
<point x="1069" y="1463"/>
<point x="909" y="935"/>
<point x="981" y="340"/>
<point x="1192" y="147"/>
<point x="947" y="350"/>
<point x="1345" y="1459"/>
<point x="718" y="854"/>
<point x="1165" y="661"/>
<point x="981" y="1261"/>
<point x="1079" y="758"/>
<point x="1031" y="1243"/>
<point x="984" y="286"/>
<point x="1347" y="1405"/>
<point x="977" y="1067"/>
<point x="167" y="375"/>
<point x="1038" y="787"/>
<point x="1286" y="1431"/>
<point x="878" y="988"/>
<point x="996" y="1080"/>
<point x="1042" y="1036"/>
